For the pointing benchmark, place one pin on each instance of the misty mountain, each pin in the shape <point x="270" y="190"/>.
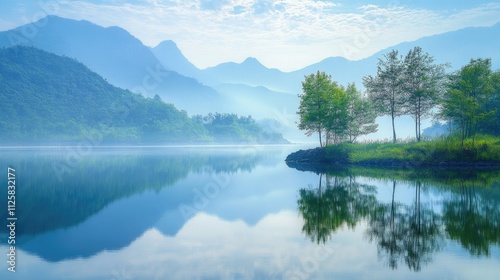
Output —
<point x="172" y="58"/>
<point x="456" y="48"/>
<point x="50" y="99"/>
<point x="117" y="56"/>
<point x="250" y="72"/>
<point x="277" y="110"/>
<point x="246" y="98"/>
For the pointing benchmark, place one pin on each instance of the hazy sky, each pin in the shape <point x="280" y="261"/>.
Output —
<point x="283" y="34"/>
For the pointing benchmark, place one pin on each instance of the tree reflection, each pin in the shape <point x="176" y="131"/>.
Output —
<point x="342" y="202"/>
<point x="406" y="233"/>
<point x="468" y="211"/>
<point x="386" y="227"/>
<point x="424" y="235"/>
<point x="473" y="219"/>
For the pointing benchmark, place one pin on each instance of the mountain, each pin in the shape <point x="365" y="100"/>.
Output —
<point x="172" y="58"/>
<point x="117" y="56"/>
<point x="456" y="48"/>
<point x="250" y="72"/>
<point x="50" y="99"/>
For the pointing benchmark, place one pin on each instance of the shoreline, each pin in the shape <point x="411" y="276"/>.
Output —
<point x="322" y="159"/>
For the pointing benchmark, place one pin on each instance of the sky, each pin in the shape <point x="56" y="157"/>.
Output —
<point x="283" y="34"/>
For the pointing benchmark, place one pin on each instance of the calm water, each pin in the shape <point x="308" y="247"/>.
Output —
<point x="242" y="213"/>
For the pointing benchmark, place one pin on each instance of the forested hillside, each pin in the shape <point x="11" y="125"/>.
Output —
<point x="49" y="99"/>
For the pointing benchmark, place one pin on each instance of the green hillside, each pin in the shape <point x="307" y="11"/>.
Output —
<point x="49" y="99"/>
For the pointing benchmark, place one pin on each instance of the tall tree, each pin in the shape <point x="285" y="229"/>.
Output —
<point x="361" y="115"/>
<point x="385" y="90"/>
<point x="322" y="106"/>
<point x="312" y="108"/>
<point x="422" y="83"/>
<point x="469" y="89"/>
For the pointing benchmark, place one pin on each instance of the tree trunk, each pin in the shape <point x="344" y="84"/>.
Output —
<point x="416" y="129"/>
<point x="320" y="142"/>
<point x="417" y="118"/>
<point x="419" y="134"/>
<point x="393" y="130"/>
<point x="392" y="205"/>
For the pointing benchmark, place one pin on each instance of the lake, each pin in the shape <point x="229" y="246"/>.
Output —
<point x="230" y="212"/>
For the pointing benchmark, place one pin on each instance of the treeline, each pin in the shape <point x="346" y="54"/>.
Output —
<point x="231" y="128"/>
<point x="49" y="99"/>
<point x="467" y="99"/>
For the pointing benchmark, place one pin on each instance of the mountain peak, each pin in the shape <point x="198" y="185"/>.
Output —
<point x="171" y="57"/>
<point x="251" y="61"/>
<point x="167" y="44"/>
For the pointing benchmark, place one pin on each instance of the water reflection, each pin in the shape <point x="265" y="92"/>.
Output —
<point x="406" y="233"/>
<point x="252" y="229"/>
<point x="471" y="216"/>
<point x="101" y="178"/>
<point x="465" y="209"/>
<point x="70" y="208"/>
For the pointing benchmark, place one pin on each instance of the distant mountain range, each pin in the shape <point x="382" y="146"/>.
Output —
<point x="246" y="87"/>
<point x="456" y="48"/>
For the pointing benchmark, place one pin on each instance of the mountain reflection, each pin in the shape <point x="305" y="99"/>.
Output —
<point x="87" y="184"/>
<point x="466" y="210"/>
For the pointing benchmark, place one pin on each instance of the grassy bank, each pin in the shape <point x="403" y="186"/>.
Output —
<point x="482" y="149"/>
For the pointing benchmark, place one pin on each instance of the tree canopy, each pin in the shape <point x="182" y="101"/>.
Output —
<point x="338" y="113"/>
<point x="422" y="86"/>
<point x="385" y="90"/>
<point x="470" y="89"/>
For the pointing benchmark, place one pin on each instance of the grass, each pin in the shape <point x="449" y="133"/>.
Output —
<point x="484" y="148"/>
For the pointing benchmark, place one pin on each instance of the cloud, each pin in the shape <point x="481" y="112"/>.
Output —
<point x="285" y="34"/>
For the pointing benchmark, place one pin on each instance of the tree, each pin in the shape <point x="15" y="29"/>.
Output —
<point x="361" y="116"/>
<point x="385" y="90"/>
<point x="322" y="106"/>
<point x="422" y="83"/>
<point x="492" y="125"/>
<point x="336" y="118"/>
<point x="469" y="90"/>
<point x="312" y="106"/>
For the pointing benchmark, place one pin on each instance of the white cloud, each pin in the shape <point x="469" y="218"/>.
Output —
<point x="285" y="34"/>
